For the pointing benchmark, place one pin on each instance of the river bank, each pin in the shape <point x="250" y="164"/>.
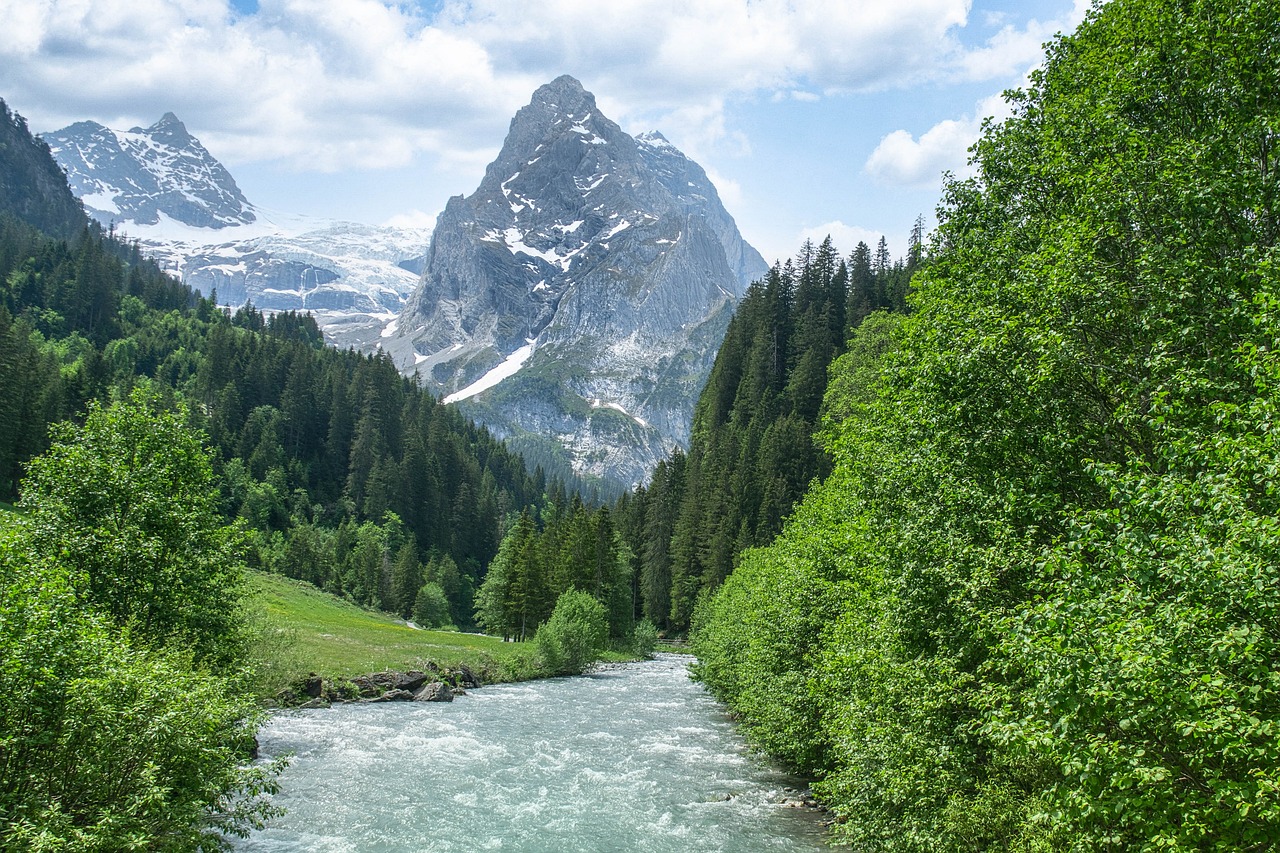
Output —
<point x="315" y="649"/>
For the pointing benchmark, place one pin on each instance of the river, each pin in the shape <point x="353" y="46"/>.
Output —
<point x="636" y="757"/>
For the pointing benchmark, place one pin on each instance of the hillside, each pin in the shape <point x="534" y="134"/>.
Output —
<point x="340" y="467"/>
<point x="307" y="630"/>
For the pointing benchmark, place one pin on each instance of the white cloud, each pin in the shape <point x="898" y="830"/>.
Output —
<point x="902" y="159"/>
<point x="318" y="84"/>
<point x="333" y="84"/>
<point x="729" y="190"/>
<point x="1013" y="50"/>
<point x="412" y="219"/>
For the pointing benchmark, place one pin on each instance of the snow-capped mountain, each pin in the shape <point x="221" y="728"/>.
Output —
<point x="160" y="186"/>
<point x="580" y="293"/>
<point x="140" y="174"/>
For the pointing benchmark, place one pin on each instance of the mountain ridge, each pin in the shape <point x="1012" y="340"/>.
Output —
<point x="161" y="187"/>
<point x="595" y="273"/>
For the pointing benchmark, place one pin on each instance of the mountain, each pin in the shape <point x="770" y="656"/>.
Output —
<point x="574" y="302"/>
<point x="161" y="186"/>
<point x="140" y="175"/>
<point x="32" y="187"/>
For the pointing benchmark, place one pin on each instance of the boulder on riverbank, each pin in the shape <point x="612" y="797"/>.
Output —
<point x="431" y="684"/>
<point x="394" y="695"/>
<point x="379" y="683"/>
<point x="436" y="691"/>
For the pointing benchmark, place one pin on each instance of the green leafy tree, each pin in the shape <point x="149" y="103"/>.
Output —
<point x="574" y="636"/>
<point x="431" y="607"/>
<point x="108" y="742"/>
<point x="1033" y="606"/>
<point x="128" y="502"/>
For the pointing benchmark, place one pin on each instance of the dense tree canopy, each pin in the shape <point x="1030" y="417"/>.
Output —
<point x="1034" y="606"/>
<point x="751" y="453"/>
<point x="121" y="723"/>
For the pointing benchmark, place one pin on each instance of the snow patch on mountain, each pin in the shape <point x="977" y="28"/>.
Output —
<point x="506" y="369"/>
<point x="161" y="187"/>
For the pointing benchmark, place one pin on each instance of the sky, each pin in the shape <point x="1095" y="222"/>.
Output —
<point x="812" y="117"/>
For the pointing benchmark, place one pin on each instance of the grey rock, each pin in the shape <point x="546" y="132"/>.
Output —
<point x="608" y="259"/>
<point x="377" y="683"/>
<point x="436" y="691"/>
<point x="141" y="173"/>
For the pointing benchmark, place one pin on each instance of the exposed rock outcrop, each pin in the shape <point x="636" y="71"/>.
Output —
<point x="578" y="296"/>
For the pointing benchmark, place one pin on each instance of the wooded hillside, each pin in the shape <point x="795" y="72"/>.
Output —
<point x="1035" y="605"/>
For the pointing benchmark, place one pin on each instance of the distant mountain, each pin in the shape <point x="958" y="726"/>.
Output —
<point x="161" y="186"/>
<point x="574" y="302"/>
<point x="140" y="175"/>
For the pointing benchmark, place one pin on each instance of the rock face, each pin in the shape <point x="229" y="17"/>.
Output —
<point x="580" y="293"/>
<point x="140" y="174"/>
<point x="160" y="185"/>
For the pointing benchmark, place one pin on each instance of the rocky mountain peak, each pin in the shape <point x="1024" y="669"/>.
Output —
<point x="578" y="295"/>
<point x="170" y="129"/>
<point x="564" y="94"/>
<point x="139" y="175"/>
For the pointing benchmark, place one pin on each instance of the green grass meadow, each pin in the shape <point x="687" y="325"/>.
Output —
<point x="302" y="629"/>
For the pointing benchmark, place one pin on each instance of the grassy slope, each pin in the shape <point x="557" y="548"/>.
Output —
<point x="307" y="630"/>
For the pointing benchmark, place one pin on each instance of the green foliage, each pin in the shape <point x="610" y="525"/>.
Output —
<point x="752" y="453"/>
<point x="106" y="744"/>
<point x="431" y="607"/>
<point x="577" y="548"/>
<point x="128" y="503"/>
<point x="574" y="636"/>
<point x="1033" y="605"/>
<point x="315" y="442"/>
<point x="644" y="639"/>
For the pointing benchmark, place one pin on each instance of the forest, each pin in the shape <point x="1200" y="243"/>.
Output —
<point x="1034" y="604"/>
<point x="655" y="551"/>
<point x="159" y="447"/>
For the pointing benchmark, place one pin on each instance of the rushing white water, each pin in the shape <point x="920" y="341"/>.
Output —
<point x="634" y="758"/>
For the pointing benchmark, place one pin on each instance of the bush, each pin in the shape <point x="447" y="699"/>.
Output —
<point x="644" y="639"/>
<point x="128" y="504"/>
<point x="105" y="746"/>
<point x="574" y="635"/>
<point x="431" y="607"/>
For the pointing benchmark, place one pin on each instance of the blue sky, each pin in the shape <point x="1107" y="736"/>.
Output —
<point x="811" y="116"/>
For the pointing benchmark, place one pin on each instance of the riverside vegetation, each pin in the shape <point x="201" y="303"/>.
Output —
<point x="1035" y="605"/>
<point x="163" y="450"/>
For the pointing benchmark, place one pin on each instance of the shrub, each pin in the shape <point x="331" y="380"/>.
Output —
<point x="574" y="635"/>
<point x="644" y="639"/>
<point x="431" y="607"/>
